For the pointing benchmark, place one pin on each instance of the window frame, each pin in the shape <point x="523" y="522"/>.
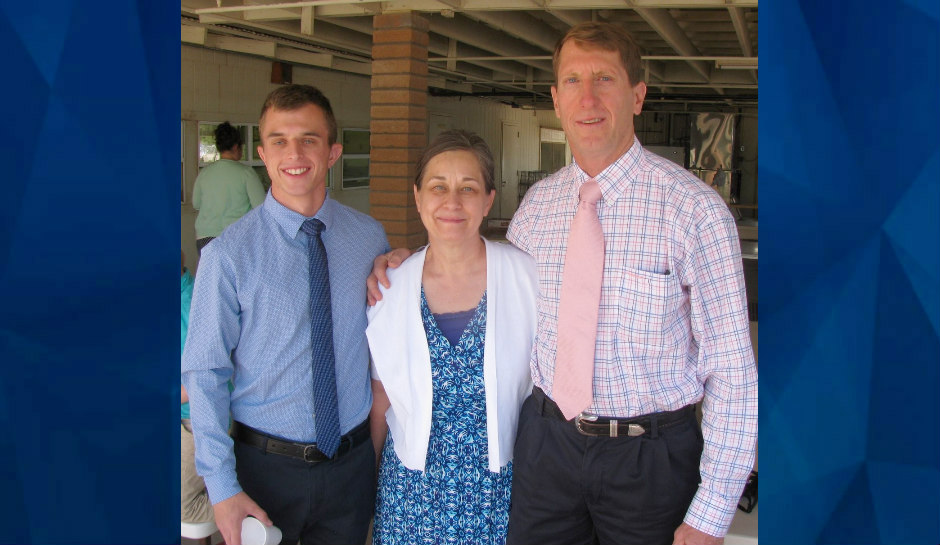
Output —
<point x="355" y="183"/>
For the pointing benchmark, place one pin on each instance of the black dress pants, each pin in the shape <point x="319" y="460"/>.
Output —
<point x="328" y="503"/>
<point x="571" y="489"/>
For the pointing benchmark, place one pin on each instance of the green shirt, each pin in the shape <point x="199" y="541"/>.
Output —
<point x="224" y="192"/>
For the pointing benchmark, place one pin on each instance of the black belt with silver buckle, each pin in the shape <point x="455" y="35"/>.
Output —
<point x="597" y="426"/>
<point x="307" y="452"/>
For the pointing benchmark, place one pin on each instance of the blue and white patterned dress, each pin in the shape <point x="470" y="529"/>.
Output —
<point x="456" y="500"/>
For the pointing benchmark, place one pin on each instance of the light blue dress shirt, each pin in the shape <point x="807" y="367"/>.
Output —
<point x="250" y="322"/>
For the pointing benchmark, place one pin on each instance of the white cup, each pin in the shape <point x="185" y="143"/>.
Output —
<point x="254" y="532"/>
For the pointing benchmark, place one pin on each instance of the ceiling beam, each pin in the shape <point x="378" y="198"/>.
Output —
<point x="193" y="34"/>
<point x="744" y="37"/>
<point x="740" y="28"/>
<point x="521" y="25"/>
<point x="327" y="35"/>
<point x="669" y="30"/>
<point x="242" y="45"/>
<point x="570" y="16"/>
<point x="482" y="37"/>
<point x="306" y="20"/>
<point x="364" y="7"/>
<point x="438" y="45"/>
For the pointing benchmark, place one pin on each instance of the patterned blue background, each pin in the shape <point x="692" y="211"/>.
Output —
<point x="88" y="238"/>
<point x="850" y="240"/>
<point x="850" y="373"/>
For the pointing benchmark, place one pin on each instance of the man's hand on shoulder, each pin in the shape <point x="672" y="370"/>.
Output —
<point x="381" y="263"/>
<point x="687" y="535"/>
<point x="230" y="513"/>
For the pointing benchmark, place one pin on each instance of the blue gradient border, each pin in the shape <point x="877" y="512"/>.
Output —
<point x="89" y="377"/>
<point x="850" y="271"/>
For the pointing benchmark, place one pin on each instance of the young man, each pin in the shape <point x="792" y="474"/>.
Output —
<point x="279" y="305"/>
<point x="671" y="328"/>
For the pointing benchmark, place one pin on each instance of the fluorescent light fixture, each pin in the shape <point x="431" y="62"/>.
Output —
<point x="736" y="63"/>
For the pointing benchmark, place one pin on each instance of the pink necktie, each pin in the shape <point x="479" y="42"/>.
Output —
<point x="572" y="386"/>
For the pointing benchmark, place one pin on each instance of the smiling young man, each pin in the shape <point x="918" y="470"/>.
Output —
<point x="301" y="459"/>
<point x="672" y="329"/>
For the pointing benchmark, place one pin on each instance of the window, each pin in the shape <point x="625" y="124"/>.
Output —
<point x="553" y="152"/>
<point x="250" y="135"/>
<point x="355" y="158"/>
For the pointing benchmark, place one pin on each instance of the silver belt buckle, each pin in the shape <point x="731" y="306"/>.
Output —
<point x="310" y="453"/>
<point x="584" y="417"/>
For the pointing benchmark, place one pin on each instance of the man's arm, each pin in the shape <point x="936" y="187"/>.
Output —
<point x="206" y="370"/>
<point x="381" y="263"/>
<point x="726" y="365"/>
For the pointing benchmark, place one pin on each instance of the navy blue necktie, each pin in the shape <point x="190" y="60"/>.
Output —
<point x="321" y="341"/>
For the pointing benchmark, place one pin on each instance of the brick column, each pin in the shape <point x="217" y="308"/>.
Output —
<point x="399" y="123"/>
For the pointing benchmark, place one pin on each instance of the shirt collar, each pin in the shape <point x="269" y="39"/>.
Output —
<point x="291" y="221"/>
<point x="613" y="179"/>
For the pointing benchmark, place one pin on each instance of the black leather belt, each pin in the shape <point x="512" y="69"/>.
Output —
<point x="307" y="452"/>
<point x="597" y="426"/>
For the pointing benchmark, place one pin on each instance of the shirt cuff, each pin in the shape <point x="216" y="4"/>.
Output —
<point x="711" y="512"/>
<point x="222" y="485"/>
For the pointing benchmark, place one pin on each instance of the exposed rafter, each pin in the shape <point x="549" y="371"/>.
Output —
<point x="495" y="47"/>
<point x="666" y="26"/>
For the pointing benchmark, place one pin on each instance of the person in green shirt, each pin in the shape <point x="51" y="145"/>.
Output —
<point x="226" y="189"/>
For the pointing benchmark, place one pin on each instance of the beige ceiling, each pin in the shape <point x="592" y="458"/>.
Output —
<point x="694" y="51"/>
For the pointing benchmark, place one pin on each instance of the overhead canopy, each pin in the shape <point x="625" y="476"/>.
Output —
<point x="702" y="50"/>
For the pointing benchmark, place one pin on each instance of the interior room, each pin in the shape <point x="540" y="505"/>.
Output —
<point x="481" y="65"/>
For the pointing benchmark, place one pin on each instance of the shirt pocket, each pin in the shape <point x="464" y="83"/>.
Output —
<point x="648" y="303"/>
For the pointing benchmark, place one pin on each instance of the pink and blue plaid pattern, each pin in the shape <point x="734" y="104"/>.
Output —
<point x="673" y="323"/>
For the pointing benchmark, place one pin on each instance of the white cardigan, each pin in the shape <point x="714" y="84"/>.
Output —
<point x="401" y="359"/>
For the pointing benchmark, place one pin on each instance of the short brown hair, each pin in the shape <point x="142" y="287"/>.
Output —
<point x="460" y="140"/>
<point x="296" y="96"/>
<point x="608" y="37"/>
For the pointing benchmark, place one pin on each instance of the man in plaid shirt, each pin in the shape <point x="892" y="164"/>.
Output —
<point x="635" y="467"/>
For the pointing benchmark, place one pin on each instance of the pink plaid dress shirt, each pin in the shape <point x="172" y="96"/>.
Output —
<point x="673" y="323"/>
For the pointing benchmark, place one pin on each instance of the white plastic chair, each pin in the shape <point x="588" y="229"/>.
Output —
<point x="201" y="531"/>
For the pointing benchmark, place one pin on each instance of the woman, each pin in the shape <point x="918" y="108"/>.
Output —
<point x="226" y="189"/>
<point x="451" y="342"/>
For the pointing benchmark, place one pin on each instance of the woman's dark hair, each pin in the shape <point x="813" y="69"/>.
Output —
<point x="227" y="137"/>
<point x="460" y="140"/>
